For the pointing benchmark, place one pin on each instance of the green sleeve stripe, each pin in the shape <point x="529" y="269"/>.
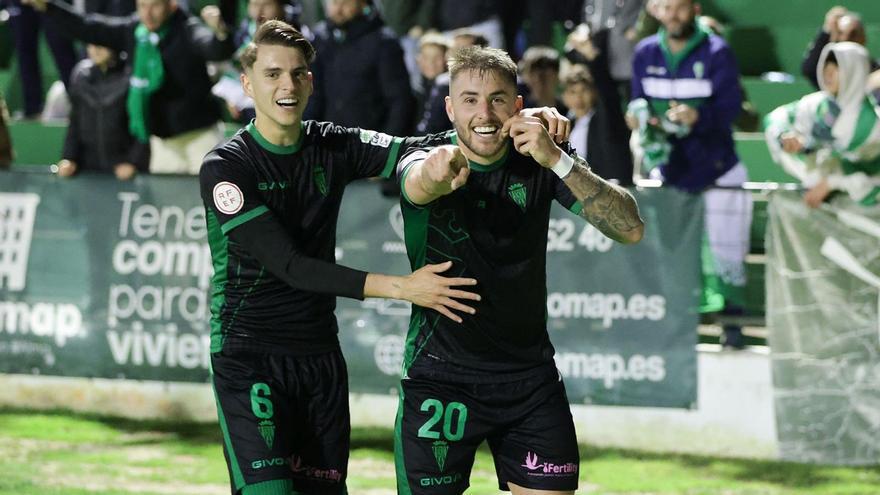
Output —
<point x="235" y="222"/>
<point x="577" y="207"/>
<point x="403" y="185"/>
<point x="392" y="158"/>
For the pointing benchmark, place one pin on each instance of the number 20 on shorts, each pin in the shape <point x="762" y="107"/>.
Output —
<point x="453" y="415"/>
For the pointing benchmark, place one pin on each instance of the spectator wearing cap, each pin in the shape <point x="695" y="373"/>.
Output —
<point x="431" y="61"/>
<point x="434" y="117"/>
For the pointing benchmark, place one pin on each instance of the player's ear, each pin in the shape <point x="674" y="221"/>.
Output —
<point x="311" y="83"/>
<point x="246" y="83"/>
<point x="449" y="112"/>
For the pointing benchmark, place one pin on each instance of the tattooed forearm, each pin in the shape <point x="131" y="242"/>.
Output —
<point x="610" y="208"/>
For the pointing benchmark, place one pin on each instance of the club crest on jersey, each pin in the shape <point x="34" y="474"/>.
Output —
<point x="699" y="69"/>
<point x="228" y="198"/>
<point x="517" y="193"/>
<point x="320" y="177"/>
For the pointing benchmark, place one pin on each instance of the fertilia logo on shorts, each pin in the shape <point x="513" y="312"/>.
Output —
<point x="311" y="472"/>
<point x="537" y="468"/>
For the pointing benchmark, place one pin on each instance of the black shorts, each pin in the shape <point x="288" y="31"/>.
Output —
<point x="285" y="420"/>
<point x="527" y="424"/>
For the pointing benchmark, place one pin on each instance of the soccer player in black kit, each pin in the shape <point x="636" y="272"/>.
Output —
<point x="272" y="195"/>
<point x="483" y="202"/>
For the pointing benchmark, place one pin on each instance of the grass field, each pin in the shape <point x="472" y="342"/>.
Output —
<point x="71" y="454"/>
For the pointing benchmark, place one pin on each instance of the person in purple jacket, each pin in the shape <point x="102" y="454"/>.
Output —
<point x="685" y="97"/>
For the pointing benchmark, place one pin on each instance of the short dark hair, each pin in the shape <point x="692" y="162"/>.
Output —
<point x="831" y="58"/>
<point x="578" y="74"/>
<point x="277" y="33"/>
<point x="539" y="57"/>
<point x="482" y="60"/>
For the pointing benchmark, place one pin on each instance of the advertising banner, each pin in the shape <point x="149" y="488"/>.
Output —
<point x="101" y="278"/>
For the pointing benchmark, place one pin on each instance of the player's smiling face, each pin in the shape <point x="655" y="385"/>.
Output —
<point x="478" y="104"/>
<point x="280" y="84"/>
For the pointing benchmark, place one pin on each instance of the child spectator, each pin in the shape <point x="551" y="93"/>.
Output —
<point x="431" y="60"/>
<point x="98" y="139"/>
<point x="540" y="71"/>
<point x="830" y="139"/>
<point x="599" y="131"/>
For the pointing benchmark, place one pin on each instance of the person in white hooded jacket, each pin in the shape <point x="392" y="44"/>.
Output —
<point x="830" y="139"/>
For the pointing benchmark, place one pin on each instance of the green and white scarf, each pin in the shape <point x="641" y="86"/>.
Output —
<point x="841" y="132"/>
<point x="147" y="77"/>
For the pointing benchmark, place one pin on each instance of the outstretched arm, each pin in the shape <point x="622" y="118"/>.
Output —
<point x="264" y="238"/>
<point x="428" y="175"/>
<point x="237" y="216"/>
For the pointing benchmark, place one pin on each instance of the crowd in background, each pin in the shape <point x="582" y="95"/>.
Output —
<point x="651" y="87"/>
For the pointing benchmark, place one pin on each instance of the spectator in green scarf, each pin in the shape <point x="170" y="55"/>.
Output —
<point x="170" y="102"/>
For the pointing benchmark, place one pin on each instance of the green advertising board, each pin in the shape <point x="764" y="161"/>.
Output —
<point x="100" y="278"/>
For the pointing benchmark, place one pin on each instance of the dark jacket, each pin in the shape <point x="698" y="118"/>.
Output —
<point x="810" y="64"/>
<point x="706" y="74"/>
<point x="97" y="137"/>
<point x="360" y="77"/>
<point x="184" y="102"/>
<point x="608" y="150"/>
<point x="433" y="117"/>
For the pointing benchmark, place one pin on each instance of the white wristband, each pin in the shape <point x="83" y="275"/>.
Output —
<point x="563" y="167"/>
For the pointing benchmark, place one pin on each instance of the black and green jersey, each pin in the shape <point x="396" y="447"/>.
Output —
<point x="271" y="215"/>
<point x="493" y="229"/>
